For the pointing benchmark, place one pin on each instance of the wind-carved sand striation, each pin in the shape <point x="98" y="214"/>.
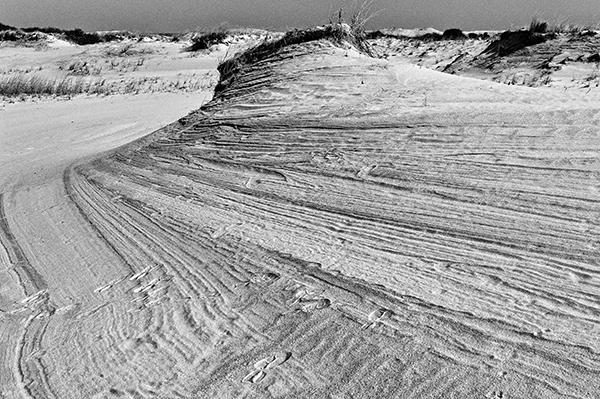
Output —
<point x="318" y="231"/>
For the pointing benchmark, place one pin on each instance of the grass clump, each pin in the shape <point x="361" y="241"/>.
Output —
<point x="512" y="41"/>
<point x="538" y="26"/>
<point x="559" y="27"/>
<point x="32" y="85"/>
<point x="358" y="20"/>
<point x="530" y="79"/>
<point x="25" y="85"/>
<point x="128" y="49"/>
<point x="203" y="41"/>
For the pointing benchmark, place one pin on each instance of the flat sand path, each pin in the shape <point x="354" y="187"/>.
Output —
<point x="47" y="246"/>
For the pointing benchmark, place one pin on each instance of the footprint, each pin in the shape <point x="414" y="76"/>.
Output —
<point x="255" y="376"/>
<point x="35" y="298"/>
<point x="376" y="316"/>
<point x="268" y="363"/>
<point x="108" y="285"/>
<point x="261" y="364"/>
<point x="150" y="285"/>
<point x="103" y="288"/>
<point x="265" y="278"/>
<point x="299" y="295"/>
<point x="280" y="358"/>
<point x="323" y="303"/>
<point x="140" y="274"/>
<point x="314" y="304"/>
<point x="380" y="314"/>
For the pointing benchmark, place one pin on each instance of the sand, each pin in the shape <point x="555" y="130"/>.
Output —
<point x="330" y="226"/>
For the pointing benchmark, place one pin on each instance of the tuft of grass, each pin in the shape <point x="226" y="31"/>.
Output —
<point x="127" y="49"/>
<point x="357" y="34"/>
<point x="203" y="41"/>
<point x="360" y="17"/>
<point x="83" y="68"/>
<point x="531" y="79"/>
<point x="23" y="85"/>
<point x="593" y="79"/>
<point x="511" y="41"/>
<point x="557" y="27"/>
<point x="538" y="26"/>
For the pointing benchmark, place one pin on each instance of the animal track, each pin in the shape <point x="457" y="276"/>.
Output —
<point x="280" y="358"/>
<point x="140" y="274"/>
<point x="268" y="363"/>
<point x="255" y="376"/>
<point x="38" y="303"/>
<point x="314" y="304"/>
<point x="309" y="300"/>
<point x="377" y="316"/>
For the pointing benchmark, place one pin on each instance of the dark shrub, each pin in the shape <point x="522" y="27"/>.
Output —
<point x="453" y="34"/>
<point x="478" y="36"/>
<point x="111" y="37"/>
<point x="375" y="34"/>
<point x="593" y="58"/>
<point x="78" y="36"/>
<point x="511" y="41"/>
<point x="7" y="27"/>
<point x="43" y="30"/>
<point x="11" y="35"/>
<point x="429" y="37"/>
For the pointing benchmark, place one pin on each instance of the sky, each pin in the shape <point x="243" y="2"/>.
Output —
<point x="172" y="16"/>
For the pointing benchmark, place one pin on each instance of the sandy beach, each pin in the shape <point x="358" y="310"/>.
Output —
<point x="311" y="221"/>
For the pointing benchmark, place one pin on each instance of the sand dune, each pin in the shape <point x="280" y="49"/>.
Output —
<point x="330" y="226"/>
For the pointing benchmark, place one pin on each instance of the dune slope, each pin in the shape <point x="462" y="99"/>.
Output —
<point x="330" y="225"/>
